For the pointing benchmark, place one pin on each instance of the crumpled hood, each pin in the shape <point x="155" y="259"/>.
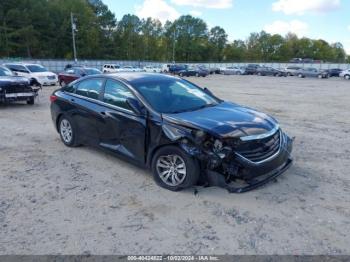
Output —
<point x="225" y="120"/>
<point x="10" y="80"/>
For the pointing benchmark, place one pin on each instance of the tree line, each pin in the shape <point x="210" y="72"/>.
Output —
<point x="42" y="29"/>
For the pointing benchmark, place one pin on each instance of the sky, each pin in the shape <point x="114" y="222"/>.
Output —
<point x="317" y="19"/>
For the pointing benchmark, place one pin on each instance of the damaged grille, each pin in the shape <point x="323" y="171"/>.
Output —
<point x="260" y="149"/>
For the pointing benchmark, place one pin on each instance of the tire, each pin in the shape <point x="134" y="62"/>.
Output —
<point x="31" y="101"/>
<point x="300" y="76"/>
<point x="347" y="77"/>
<point x="181" y="74"/>
<point x="197" y="75"/>
<point x="320" y="76"/>
<point x="289" y="74"/>
<point x="239" y="73"/>
<point x="63" y="83"/>
<point x="67" y="122"/>
<point x="176" y="180"/>
<point x="259" y="74"/>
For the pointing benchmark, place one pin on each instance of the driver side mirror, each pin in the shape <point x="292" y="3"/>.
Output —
<point x="135" y="105"/>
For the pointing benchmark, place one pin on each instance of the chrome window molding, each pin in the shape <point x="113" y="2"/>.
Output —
<point x="255" y="137"/>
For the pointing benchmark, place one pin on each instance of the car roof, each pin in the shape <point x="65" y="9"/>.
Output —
<point x="135" y="77"/>
<point x="22" y="64"/>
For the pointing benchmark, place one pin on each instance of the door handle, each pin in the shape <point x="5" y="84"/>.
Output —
<point x="103" y="114"/>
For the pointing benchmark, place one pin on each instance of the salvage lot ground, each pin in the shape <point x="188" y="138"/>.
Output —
<point x="58" y="200"/>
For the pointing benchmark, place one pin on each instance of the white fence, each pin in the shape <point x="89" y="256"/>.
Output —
<point x="58" y="65"/>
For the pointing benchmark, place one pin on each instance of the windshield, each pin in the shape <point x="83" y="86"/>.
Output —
<point x="174" y="96"/>
<point x="36" y="68"/>
<point x="5" y="72"/>
<point x="92" y="71"/>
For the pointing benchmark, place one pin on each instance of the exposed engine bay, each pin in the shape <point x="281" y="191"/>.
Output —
<point x="238" y="164"/>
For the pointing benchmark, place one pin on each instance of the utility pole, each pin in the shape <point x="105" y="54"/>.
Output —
<point x="74" y="28"/>
<point x="174" y="39"/>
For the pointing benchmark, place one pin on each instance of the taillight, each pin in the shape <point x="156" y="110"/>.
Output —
<point x="53" y="98"/>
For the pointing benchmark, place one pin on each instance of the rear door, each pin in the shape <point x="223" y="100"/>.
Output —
<point x="121" y="130"/>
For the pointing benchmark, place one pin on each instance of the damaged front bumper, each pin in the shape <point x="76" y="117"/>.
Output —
<point x="253" y="175"/>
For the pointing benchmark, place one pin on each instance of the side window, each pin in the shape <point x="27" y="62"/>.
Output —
<point x="90" y="88"/>
<point x="70" y="71"/>
<point x="78" y="71"/>
<point x="116" y="94"/>
<point x="18" y="68"/>
<point x="70" y="88"/>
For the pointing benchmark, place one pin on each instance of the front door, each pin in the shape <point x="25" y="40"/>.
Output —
<point x="121" y="130"/>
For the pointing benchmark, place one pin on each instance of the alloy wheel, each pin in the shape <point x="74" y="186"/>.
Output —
<point x="171" y="169"/>
<point x="66" y="131"/>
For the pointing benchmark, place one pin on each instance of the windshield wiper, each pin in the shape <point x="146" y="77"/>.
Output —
<point x="193" y="109"/>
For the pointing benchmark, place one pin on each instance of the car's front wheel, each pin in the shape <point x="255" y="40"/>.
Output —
<point x="347" y="77"/>
<point x="31" y="101"/>
<point x="174" y="169"/>
<point x="67" y="131"/>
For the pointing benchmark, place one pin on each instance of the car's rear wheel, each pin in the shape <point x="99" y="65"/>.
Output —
<point x="347" y="77"/>
<point x="320" y="76"/>
<point x="197" y="74"/>
<point x="300" y="75"/>
<point x="174" y="169"/>
<point x="67" y="131"/>
<point x="239" y="73"/>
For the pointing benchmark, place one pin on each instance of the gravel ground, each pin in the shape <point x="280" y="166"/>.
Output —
<point x="58" y="200"/>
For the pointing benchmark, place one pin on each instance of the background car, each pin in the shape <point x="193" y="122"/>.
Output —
<point x="312" y="72"/>
<point x="73" y="73"/>
<point x="232" y="70"/>
<point x="193" y="71"/>
<point x="174" y="69"/>
<point x="270" y="71"/>
<point x="334" y="72"/>
<point x="214" y="70"/>
<point x="292" y="70"/>
<point x="152" y="69"/>
<point x="345" y="74"/>
<point x="110" y="68"/>
<point x="16" y="88"/>
<point x="251" y="69"/>
<point x="34" y="72"/>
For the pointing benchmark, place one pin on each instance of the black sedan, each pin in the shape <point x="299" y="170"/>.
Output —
<point x="16" y="88"/>
<point x="270" y="71"/>
<point x="193" y="71"/>
<point x="182" y="132"/>
<point x="334" y="72"/>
